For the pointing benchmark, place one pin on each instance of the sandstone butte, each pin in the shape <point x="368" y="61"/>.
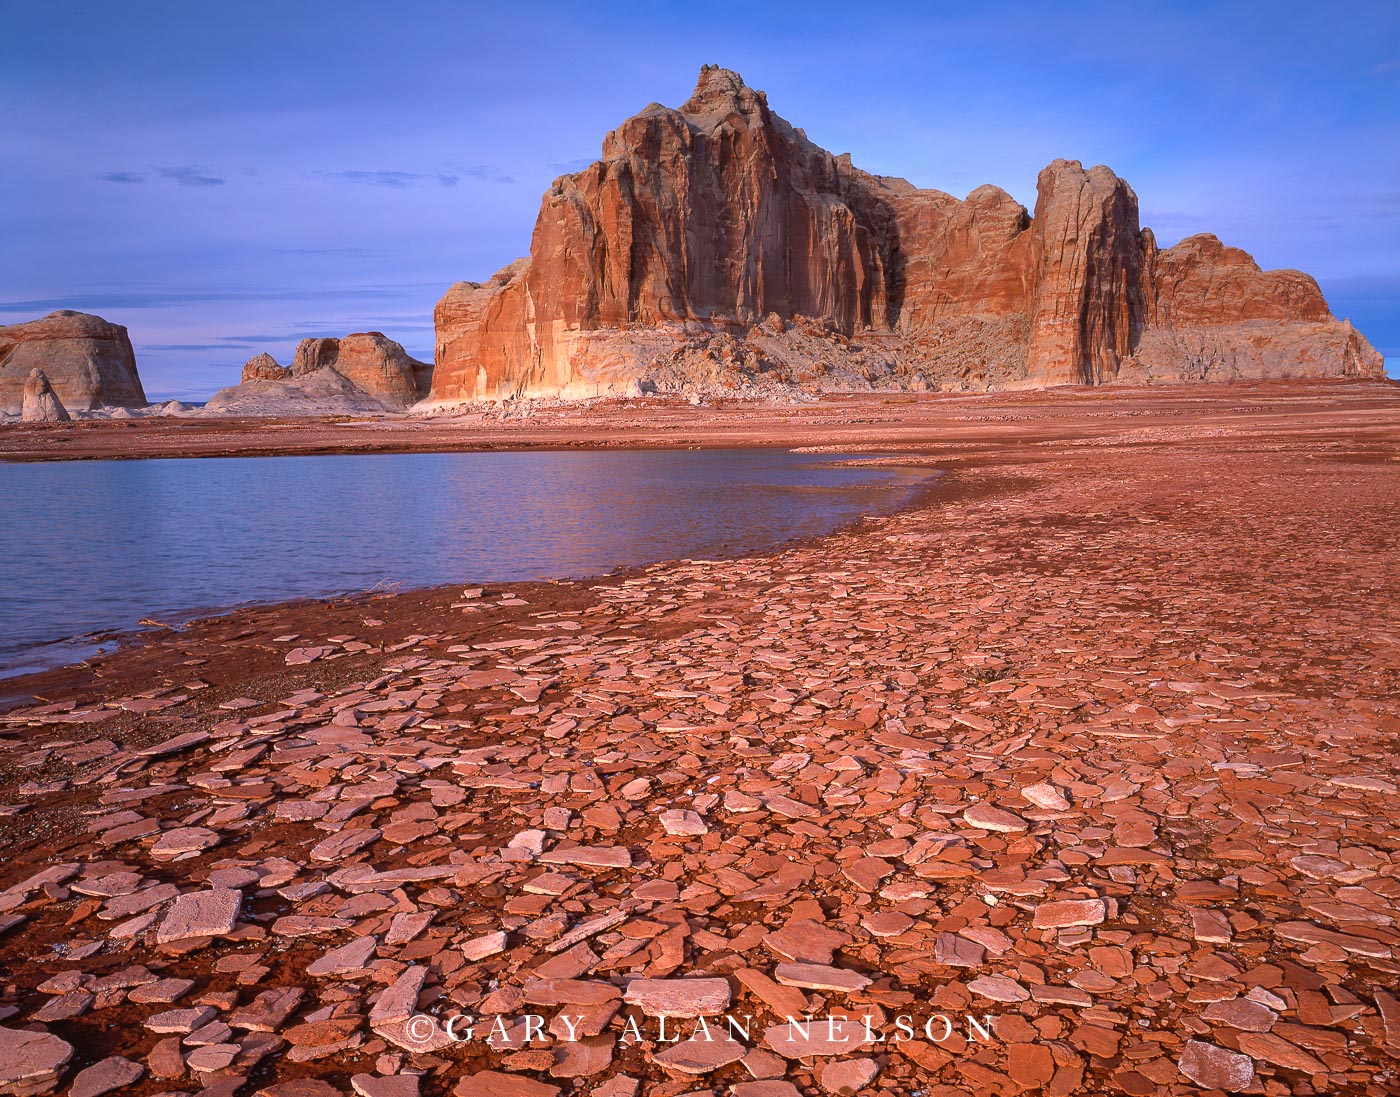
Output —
<point x="88" y="362"/>
<point x="715" y="245"/>
<point x="366" y="371"/>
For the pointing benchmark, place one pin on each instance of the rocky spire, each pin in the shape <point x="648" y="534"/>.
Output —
<point x="41" y="403"/>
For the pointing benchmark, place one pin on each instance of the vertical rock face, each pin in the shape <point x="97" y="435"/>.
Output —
<point x="716" y="211"/>
<point x="314" y="354"/>
<point x="702" y="231"/>
<point x="1087" y="258"/>
<point x="715" y="214"/>
<point x="89" y="363"/>
<point x="41" y="405"/>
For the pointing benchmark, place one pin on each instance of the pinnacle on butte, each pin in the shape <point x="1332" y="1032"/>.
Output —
<point x="41" y="403"/>
<point x="89" y="362"/>
<point x="714" y="245"/>
<point x="366" y="372"/>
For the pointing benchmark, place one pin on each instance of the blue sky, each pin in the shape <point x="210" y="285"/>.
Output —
<point x="228" y="179"/>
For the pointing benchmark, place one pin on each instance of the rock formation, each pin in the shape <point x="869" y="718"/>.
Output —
<point x="364" y="373"/>
<point x="717" y="242"/>
<point x="264" y="367"/>
<point x="41" y="404"/>
<point x="370" y="362"/>
<point x="88" y="362"/>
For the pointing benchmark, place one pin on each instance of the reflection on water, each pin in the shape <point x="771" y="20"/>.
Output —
<point x="90" y="546"/>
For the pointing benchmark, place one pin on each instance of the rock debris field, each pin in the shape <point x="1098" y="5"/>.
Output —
<point x="1095" y="745"/>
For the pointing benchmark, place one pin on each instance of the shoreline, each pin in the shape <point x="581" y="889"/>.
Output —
<point x="901" y="418"/>
<point x="1102" y="737"/>
<point x="15" y="688"/>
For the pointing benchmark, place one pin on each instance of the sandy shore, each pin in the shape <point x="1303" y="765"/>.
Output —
<point x="1098" y="740"/>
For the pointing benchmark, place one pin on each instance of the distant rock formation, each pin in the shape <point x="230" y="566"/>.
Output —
<point x="373" y="364"/>
<point x="89" y="363"/>
<point x="264" y="367"/>
<point x="41" y="403"/>
<point x="364" y="373"/>
<point x="716" y="245"/>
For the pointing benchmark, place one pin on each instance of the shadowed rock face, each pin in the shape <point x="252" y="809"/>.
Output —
<point x="715" y="223"/>
<point x="89" y="363"/>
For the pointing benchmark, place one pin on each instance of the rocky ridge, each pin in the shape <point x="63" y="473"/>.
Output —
<point x="715" y="246"/>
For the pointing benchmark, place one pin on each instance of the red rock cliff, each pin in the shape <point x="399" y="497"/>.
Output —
<point x="716" y="242"/>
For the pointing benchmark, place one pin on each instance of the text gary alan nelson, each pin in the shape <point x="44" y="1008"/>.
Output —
<point x="834" y="1030"/>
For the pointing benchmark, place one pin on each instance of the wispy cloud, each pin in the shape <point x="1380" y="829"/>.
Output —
<point x="122" y="177"/>
<point x="1387" y="68"/>
<point x="98" y="300"/>
<point x="252" y="340"/>
<point x="397" y="179"/>
<point x="220" y="345"/>
<point x="349" y="253"/>
<point x="486" y="172"/>
<point x="400" y="179"/>
<point x="191" y="177"/>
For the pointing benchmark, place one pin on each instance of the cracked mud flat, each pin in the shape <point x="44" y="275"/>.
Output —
<point x="1099" y="739"/>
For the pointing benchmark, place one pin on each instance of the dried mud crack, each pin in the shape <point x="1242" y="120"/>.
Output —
<point x="1098" y="740"/>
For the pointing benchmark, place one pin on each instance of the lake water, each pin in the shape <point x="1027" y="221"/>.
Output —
<point x="88" y="547"/>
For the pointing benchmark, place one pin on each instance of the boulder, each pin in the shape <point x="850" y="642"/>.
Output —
<point x="715" y="246"/>
<point x="41" y="403"/>
<point x="89" y="362"/>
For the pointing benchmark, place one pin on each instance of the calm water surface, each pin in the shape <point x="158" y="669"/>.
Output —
<point x="93" y="546"/>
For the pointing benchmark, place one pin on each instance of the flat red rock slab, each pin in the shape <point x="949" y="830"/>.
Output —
<point x="700" y="1056"/>
<point x="801" y="1039"/>
<point x="590" y="856"/>
<point x="30" y="1062"/>
<point x="1070" y="912"/>
<point x="986" y="816"/>
<point x="678" y="997"/>
<point x="1213" y="1067"/>
<point x="211" y="913"/>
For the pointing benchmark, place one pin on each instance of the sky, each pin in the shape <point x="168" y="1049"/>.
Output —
<point x="228" y="179"/>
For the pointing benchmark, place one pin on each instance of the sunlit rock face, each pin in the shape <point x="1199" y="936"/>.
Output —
<point x="714" y="244"/>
